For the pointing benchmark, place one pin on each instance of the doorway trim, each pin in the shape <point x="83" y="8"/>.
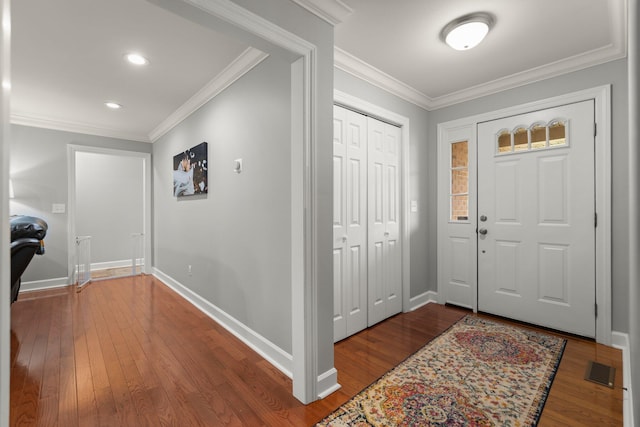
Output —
<point x="72" y="149"/>
<point x="361" y="106"/>
<point x="306" y="260"/>
<point x="602" y="185"/>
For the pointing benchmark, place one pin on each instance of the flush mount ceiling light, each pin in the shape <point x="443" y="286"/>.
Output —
<point x="136" y="59"/>
<point x="113" y="105"/>
<point x="467" y="31"/>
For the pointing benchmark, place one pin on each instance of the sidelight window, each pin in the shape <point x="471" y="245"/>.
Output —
<point x="459" y="183"/>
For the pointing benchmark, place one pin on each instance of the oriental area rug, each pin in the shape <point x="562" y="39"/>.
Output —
<point x="477" y="373"/>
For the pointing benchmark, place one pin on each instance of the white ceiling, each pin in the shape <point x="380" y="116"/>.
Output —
<point x="67" y="55"/>
<point x="399" y="44"/>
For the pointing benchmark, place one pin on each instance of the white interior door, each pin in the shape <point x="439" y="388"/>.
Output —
<point x="349" y="222"/>
<point x="536" y="210"/>
<point x="385" y="283"/>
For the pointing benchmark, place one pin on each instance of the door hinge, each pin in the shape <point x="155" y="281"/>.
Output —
<point x="596" y="309"/>
<point x="595" y="129"/>
<point x="595" y="219"/>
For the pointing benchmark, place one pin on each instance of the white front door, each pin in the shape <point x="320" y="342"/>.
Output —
<point x="536" y="215"/>
<point x="385" y="277"/>
<point x="349" y="222"/>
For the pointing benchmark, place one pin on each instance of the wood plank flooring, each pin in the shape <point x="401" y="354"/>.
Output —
<point x="130" y="352"/>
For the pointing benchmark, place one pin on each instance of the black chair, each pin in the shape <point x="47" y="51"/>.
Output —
<point x="27" y="234"/>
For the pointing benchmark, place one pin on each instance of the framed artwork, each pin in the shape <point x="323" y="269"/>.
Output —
<point x="190" y="171"/>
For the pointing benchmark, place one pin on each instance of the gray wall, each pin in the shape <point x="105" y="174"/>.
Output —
<point x="423" y="267"/>
<point x="237" y="238"/>
<point x="614" y="73"/>
<point x="109" y="203"/>
<point x="302" y="23"/>
<point x="39" y="173"/>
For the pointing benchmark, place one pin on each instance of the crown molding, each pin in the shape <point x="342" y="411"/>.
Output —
<point x="238" y="68"/>
<point x="350" y="64"/>
<point x="332" y="11"/>
<point x="28" y="119"/>
<point x="554" y="69"/>
<point x="617" y="49"/>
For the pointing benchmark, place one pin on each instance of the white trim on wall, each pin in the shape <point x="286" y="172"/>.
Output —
<point x="5" y="252"/>
<point x="244" y="63"/>
<point x="304" y="193"/>
<point x="265" y="348"/>
<point x="602" y="97"/>
<point x="332" y="11"/>
<point x="616" y="50"/>
<point x="40" y="285"/>
<point x="620" y="340"/>
<point x="367" y="108"/>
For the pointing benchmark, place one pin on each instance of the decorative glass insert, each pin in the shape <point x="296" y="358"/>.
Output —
<point x="504" y="142"/>
<point x="538" y="136"/>
<point x="557" y="133"/>
<point x="459" y="189"/>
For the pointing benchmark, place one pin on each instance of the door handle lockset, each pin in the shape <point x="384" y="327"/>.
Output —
<point x="483" y="231"/>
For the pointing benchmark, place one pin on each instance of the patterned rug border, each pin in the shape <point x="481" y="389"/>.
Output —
<point x="544" y="393"/>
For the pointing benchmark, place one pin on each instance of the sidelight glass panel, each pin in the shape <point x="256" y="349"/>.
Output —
<point x="460" y="208"/>
<point x="460" y="154"/>
<point x="459" y="185"/>
<point x="459" y="181"/>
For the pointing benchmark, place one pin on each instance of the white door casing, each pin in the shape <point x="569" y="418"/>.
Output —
<point x="465" y="128"/>
<point x="385" y="257"/>
<point x="349" y="222"/>
<point x="537" y="207"/>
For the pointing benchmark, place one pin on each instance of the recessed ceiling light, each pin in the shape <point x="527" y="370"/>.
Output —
<point x="136" y="59"/>
<point x="467" y="31"/>
<point x="113" y="105"/>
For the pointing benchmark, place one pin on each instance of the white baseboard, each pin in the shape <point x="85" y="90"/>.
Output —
<point x="621" y="340"/>
<point x="115" y="264"/>
<point x="422" y="299"/>
<point x="39" y="285"/>
<point x="265" y="348"/>
<point x="328" y="383"/>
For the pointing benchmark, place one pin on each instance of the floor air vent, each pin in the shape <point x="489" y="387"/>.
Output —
<point x="600" y="374"/>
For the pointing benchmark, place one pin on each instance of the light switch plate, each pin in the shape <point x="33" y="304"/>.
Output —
<point x="58" y="208"/>
<point x="237" y="165"/>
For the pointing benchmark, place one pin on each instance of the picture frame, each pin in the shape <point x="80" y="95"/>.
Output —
<point x="190" y="171"/>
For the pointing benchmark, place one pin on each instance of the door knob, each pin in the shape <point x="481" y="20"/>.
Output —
<point x="483" y="218"/>
<point x="386" y="233"/>
<point x="344" y="239"/>
<point x="482" y="231"/>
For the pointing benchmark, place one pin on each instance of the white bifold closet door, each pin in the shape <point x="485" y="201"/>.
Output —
<point x="366" y="251"/>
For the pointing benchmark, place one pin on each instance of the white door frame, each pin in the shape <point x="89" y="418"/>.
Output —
<point x="308" y="383"/>
<point x="5" y="252"/>
<point x="602" y="97"/>
<point x="72" y="149"/>
<point x="367" y="108"/>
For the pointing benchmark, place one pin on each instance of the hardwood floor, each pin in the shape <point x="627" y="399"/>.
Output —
<point x="130" y="352"/>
